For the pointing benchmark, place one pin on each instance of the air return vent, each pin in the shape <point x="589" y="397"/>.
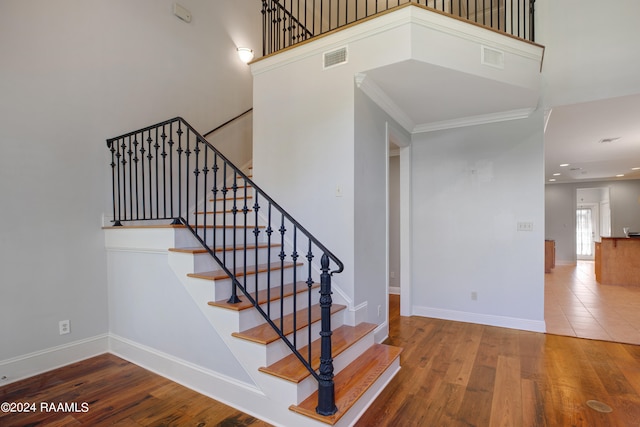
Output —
<point x="335" y="57"/>
<point x="492" y="57"/>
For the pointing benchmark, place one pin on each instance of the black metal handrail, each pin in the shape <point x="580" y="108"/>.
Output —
<point x="167" y="171"/>
<point x="228" y="122"/>
<point x="288" y="22"/>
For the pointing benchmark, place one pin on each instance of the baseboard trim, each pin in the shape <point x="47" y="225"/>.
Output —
<point x="204" y="381"/>
<point x="482" y="319"/>
<point x="394" y="290"/>
<point x="28" y="365"/>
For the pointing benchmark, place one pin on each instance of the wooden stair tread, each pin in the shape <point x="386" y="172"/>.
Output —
<point x="201" y="250"/>
<point x="264" y="334"/>
<point x="274" y="295"/>
<point x="291" y="369"/>
<point x="240" y="271"/>
<point x="352" y="382"/>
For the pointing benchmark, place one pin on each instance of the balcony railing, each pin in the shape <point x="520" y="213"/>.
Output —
<point x="288" y="22"/>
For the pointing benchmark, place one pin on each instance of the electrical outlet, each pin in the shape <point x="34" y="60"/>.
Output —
<point x="338" y="190"/>
<point x="474" y="296"/>
<point x="64" y="327"/>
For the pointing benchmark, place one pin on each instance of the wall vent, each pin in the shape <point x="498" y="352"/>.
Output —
<point x="335" y="57"/>
<point x="492" y="57"/>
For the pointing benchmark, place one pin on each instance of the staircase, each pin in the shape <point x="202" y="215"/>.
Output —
<point x="246" y="275"/>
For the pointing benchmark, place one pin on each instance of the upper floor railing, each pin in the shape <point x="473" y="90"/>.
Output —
<point x="288" y="22"/>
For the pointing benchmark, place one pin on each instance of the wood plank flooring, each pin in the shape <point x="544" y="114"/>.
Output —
<point x="461" y="374"/>
<point x="453" y="374"/>
<point x="117" y="393"/>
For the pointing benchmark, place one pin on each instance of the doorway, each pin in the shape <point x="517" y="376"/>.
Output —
<point x="398" y="216"/>
<point x="593" y="220"/>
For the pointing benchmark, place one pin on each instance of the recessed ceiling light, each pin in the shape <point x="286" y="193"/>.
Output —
<point x="620" y="175"/>
<point x="564" y="165"/>
<point x="635" y="169"/>
<point x="552" y="180"/>
<point x="557" y="174"/>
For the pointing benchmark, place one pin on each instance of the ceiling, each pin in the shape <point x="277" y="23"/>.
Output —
<point x="444" y="95"/>
<point x="598" y="140"/>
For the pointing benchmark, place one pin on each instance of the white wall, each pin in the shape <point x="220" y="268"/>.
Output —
<point x="371" y="200"/>
<point x="305" y="143"/>
<point x="74" y="73"/>
<point x="471" y="187"/>
<point x="591" y="49"/>
<point x="149" y="305"/>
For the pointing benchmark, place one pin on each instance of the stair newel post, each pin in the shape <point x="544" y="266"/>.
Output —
<point x="326" y="391"/>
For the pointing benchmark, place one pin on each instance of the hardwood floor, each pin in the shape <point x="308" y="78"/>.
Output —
<point x="116" y="392"/>
<point x="453" y="374"/>
<point x="462" y="374"/>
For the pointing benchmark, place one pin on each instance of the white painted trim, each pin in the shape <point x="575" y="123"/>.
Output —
<point x="406" y="228"/>
<point x="220" y="387"/>
<point x="482" y="119"/>
<point x="482" y="319"/>
<point x="381" y="332"/>
<point x="394" y="290"/>
<point x="389" y="21"/>
<point x="35" y="363"/>
<point x="355" y="315"/>
<point x="377" y="95"/>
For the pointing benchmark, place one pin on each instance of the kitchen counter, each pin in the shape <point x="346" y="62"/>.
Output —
<point x="617" y="261"/>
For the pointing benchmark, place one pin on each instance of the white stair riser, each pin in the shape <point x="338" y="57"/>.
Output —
<point x="205" y="262"/>
<point x="222" y="287"/>
<point x="227" y="218"/>
<point x="278" y="349"/>
<point x="250" y="318"/>
<point x="225" y="236"/>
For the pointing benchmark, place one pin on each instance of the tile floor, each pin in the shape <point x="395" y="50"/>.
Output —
<point x="576" y="305"/>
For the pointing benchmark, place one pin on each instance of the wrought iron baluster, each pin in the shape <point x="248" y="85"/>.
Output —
<point x="144" y="186"/>
<point x="294" y="259"/>
<point x="282" y="231"/>
<point x="309" y="295"/>
<point x="187" y="154"/>
<point x="171" y="201"/>
<point x="135" y="168"/>
<point x="269" y="231"/>
<point x="130" y="154"/>
<point x="196" y="183"/>
<point x="214" y="192"/>
<point x="256" y="233"/>
<point x="180" y="183"/>
<point x="205" y="185"/>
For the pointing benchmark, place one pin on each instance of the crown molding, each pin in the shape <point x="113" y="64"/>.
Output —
<point x="474" y="120"/>
<point x="377" y="95"/>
